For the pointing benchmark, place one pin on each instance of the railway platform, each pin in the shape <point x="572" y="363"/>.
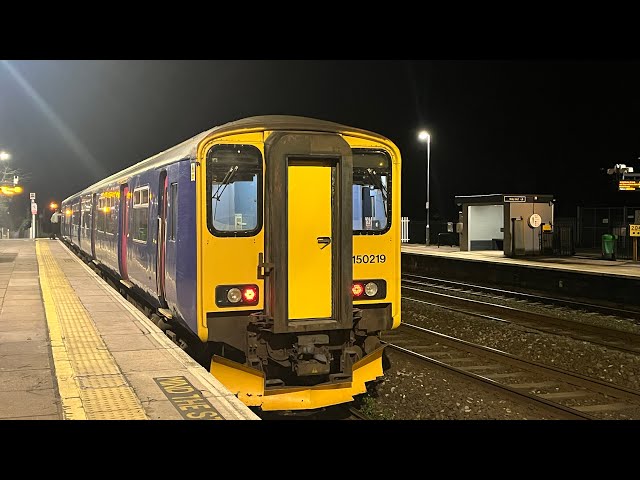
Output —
<point x="578" y="276"/>
<point x="71" y="347"/>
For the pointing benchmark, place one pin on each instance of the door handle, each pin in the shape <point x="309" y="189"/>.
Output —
<point x="264" y="268"/>
<point x="324" y="240"/>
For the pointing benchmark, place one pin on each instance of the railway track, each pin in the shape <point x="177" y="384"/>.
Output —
<point x="500" y="294"/>
<point x="564" y="394"/>
<point x="622" y="340"/>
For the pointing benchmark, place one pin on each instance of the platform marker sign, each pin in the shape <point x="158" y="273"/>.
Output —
<point x="187" y="399"/>
<point x="511" y="199"/>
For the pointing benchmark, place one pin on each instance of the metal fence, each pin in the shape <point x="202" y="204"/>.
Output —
<point x="593" y="222"/>
<point x="405" y="229"/>
<point x="559" y="242"/>
<point x="438" y="231"/>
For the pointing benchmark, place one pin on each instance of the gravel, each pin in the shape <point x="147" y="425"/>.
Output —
<point x="408" y="391"/>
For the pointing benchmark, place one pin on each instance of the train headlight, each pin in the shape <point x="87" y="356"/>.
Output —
<point x="370" y="289"/>
<point x="234" y="295"/>
<point x="237" y="295"/>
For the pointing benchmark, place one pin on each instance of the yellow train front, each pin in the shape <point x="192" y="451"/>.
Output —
<point x="298" y="258"/>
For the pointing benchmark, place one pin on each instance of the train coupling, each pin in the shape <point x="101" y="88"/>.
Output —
<point x="311" y="356"/>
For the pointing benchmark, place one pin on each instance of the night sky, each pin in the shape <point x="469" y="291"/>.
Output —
<point x="550" y="127"/>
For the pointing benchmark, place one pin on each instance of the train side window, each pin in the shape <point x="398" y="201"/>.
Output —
<point x="76" y="215"/>
<point x="109" y="216"/>
<point x="173" y="205"/>
<point x="86" y="214"/>
<point x="234" y="190"/>
<point x="100" y="215"/>
<point x="140" y="214"/>
<point x="371" y="191"/>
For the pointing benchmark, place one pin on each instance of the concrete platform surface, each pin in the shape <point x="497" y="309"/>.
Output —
<point x="71" y="347"/>
<point x="576" y="263"/>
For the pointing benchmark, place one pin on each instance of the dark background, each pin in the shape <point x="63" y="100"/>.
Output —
<point x="508" y="126"/>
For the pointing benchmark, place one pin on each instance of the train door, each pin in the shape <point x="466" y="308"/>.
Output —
<point x="123" y="231"/>
<point x="81" y="223"/>
<point x="77" y="221"/>
<point x="162" y="236"/>
<point x="85" y="206"/>
<point x="94" y="221"/>
<point x="308" y="231"/>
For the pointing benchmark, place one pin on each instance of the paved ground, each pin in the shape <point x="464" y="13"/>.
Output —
<point x="575" y="263"/>
<point x="72" y="348"/>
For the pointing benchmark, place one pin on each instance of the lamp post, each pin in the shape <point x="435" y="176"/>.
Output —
<point x="424" y="136"/>
<point x="4" y="157"/>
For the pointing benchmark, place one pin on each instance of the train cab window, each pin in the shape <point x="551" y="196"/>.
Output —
<point x="371" y="191"/>
<point x="234" y="190"/>
<point x="140" y="214"/>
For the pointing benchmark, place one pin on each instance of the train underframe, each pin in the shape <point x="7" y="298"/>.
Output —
<point x="302" y="370"/>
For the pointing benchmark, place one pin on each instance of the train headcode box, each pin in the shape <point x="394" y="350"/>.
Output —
<point x="634" y="230"/>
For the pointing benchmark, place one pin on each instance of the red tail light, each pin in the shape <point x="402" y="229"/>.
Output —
<point x="249" y="294"/>
<point x="357" y="289"/>
<point x="236" y="295"/>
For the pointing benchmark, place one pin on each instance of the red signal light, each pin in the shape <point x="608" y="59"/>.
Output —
<point x="249" y="294"/>
<point x="357" y="289"/>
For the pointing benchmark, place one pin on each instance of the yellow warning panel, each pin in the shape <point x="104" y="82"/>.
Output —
<point x="90" y="383"/>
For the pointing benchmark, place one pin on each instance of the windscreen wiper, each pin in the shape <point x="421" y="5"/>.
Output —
<point x="377" y="183"/>
<point x="225" y="181"/>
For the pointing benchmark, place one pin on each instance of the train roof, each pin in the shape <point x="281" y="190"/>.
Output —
<point x="188" y="148"/>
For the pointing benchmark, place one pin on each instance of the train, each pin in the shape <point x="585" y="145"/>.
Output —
<point x="267" y="247"/>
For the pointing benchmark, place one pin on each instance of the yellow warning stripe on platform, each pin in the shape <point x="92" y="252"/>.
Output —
<point x="90" y="383"/>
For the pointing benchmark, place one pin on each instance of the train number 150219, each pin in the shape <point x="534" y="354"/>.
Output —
<point x="369" y="258"/>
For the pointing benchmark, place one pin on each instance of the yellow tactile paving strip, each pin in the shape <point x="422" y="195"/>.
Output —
<point x="90" y="383"/>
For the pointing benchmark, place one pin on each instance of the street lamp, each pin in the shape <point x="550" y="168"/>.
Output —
<point x="424" y="136"/>
<point x="4" y="155"/>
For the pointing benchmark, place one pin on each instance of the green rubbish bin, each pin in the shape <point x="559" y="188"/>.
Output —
<point x="608" y="246"/>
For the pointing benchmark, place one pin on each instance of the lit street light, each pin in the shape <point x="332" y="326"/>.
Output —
<point x="424" y="136"/>
<point x="6" y="187"/>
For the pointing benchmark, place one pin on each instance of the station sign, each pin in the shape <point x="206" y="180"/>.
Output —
<point x="634" y="230"/>
<point x="628" y="185"/>
<point x="509" y="199"/>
